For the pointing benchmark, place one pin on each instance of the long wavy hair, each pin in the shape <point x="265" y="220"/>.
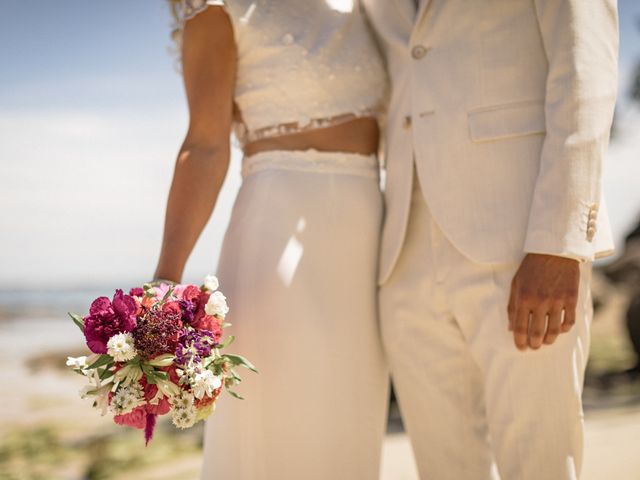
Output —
<point x="175" y="8"/>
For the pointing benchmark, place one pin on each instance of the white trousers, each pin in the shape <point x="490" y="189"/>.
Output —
<point x="298" y="266"/>
<point x="469" y="399"/>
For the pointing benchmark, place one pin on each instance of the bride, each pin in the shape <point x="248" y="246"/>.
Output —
<point x="301" y="84"/>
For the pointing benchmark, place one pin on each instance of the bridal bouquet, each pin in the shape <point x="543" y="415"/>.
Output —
<point x="157" y="351"/>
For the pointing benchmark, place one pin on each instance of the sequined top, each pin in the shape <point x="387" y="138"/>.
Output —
<point x="302" y="64"/>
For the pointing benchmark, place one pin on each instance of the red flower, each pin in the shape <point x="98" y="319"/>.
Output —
<point x="212" y="324"/>
<point x="203" y="298"/>
<point x="171" y="372"/>
<point x="206" y="400"/>
<point x="137" y="418"/>
<point x="191" y="293"/>
<point x="150" y="391"/>
<point x="172" y="308"/>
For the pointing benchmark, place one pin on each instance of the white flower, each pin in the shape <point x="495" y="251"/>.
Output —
<point x="128" y="374"/>
<point x="121" y="347"/>
<point x="127" y="398"/>
<point x="87" y="390"/>
<point x="204" y="383"/>
<point x="217" y="305"/>
<point x="189" y="371"/>
<point x="167" y="387"/>
<point x="97" y="388"/>
<point x="102" y="399"/>
<point x="77" y="363"/>
<point x="211" y="283"/>
<point x="163" y="360"/>
<point x="184" y="417"/>
<point x="182" y="401"/>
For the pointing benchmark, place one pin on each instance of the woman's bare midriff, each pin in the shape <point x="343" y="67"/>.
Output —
<point x="360" y="135"/>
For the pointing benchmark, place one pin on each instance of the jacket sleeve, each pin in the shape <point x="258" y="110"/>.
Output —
<point x="580" y="39"/>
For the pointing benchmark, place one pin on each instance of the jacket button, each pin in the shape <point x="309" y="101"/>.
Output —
<point x="406" y="123"/>
<point x="419" y="51"/>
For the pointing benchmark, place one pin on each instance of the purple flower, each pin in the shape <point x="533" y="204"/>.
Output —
<point x="188" y="310"/>
<point x="106" y="318"/>
<point x="193" y="345"/>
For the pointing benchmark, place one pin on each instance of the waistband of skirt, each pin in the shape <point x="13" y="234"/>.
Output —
<point x="312" y="161"/>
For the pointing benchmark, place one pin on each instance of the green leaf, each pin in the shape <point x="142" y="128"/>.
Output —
<point x="239" y="360"/>
<point x="149" y="373"/>
<point x="235" y="376"/>
<point x="102" y="374"/>
<point x="234" y="394"/>
<point x="167" y="295"/>
<point x="102" y="360"/>
<point x="229" y="340"/>
<point x="163" y="360"/>
<point x="78" y="320"/>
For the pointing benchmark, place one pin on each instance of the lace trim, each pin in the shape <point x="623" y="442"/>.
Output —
<point x="187" y="9"/>
<point x="246" y="136"/>
<point x="191" y="8"/>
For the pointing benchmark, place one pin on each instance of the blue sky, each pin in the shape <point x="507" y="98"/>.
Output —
<point x="91" y="117"/>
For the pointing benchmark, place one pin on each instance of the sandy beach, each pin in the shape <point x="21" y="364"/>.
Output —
<point x="49" y="432"/>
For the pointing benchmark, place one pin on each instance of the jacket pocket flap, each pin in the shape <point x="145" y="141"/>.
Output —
<point x="505" y="121"/>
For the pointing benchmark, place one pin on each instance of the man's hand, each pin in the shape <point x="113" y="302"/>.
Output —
<point x="544" y="295"/>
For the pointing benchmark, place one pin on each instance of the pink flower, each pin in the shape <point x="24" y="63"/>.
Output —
<point x="136" y="292"/>
<point x="161" y="290"/>
<point x="178" y="291"/>
<point x="137" y="418"/>
<point x="106" y="318"/>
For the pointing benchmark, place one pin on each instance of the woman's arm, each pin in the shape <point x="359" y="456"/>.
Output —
<point x="209" y="65"/>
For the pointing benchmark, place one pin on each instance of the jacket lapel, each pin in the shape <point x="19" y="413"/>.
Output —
<point x="421" y="12"/>
<point x="407" y="10"/>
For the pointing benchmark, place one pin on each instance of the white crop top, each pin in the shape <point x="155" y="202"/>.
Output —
<point x="302" y="64"/>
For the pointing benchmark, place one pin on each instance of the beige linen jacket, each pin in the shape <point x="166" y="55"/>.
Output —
<point x="506" y="106"/>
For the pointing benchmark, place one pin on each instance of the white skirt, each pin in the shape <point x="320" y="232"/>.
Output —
<point x="298" y="266"/>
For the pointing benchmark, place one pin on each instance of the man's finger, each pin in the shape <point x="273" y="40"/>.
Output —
<point x="554" y="324"/>
<point x="521" y="327"/>
<point x="537" y="328"/>
<point x="569" y="318"/>
<point x="511" y="307"/>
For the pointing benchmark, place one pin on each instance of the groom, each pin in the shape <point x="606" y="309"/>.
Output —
<point x="499" y="118"/>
